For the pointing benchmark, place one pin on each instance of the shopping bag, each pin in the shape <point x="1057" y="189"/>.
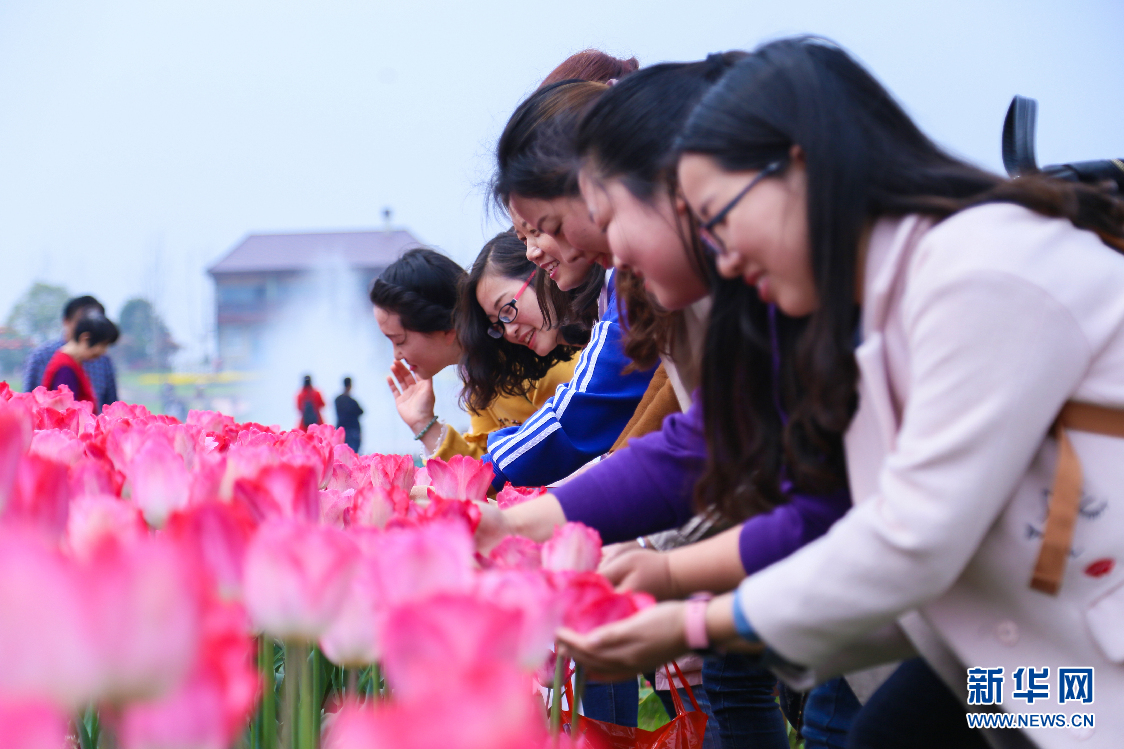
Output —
<point x="685" y="731"/>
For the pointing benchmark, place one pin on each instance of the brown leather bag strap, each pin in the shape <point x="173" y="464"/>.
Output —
<point x="1065" y="497"/>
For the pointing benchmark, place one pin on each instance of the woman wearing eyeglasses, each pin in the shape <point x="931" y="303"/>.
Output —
<point x="415" y="300"/>
<point x="958" y="366"/>
<point x="586" y="417"/>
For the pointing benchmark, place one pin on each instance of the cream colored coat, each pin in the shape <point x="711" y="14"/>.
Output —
<point x="974" y="333"/>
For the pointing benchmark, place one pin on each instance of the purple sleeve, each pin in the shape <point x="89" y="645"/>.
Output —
<point x="644" y="488"/>
<point x="65" y="376"/>
<point x="767" y="538"/>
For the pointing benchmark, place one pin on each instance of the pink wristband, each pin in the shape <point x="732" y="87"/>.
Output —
<point x="694" y="626"/>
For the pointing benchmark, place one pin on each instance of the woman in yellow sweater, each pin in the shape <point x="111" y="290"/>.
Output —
<point x="414" y="302"/>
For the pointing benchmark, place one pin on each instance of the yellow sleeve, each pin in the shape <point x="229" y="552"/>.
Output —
<point x="474" y="443"/>
<point x="559" y="374"/>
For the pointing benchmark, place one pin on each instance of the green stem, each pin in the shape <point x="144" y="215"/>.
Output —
<point x="317" y="693"/>
<point x="83" y="734"/>
<point x="291" y="692"/>
<point x="376" y="680"/>
<point x="556" y="704"/>
<point x="308" y="699"/>
<point x="352" y="675"/>
<point x="267" y="713"/>
<point x="579" y="687"/>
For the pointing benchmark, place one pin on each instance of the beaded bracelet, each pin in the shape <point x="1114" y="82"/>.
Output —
<point x="425" y="429"/>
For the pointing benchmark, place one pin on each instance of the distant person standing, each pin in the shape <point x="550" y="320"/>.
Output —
<point x="100" y="371"/>
<point x="348" y="412"/>
<point x="309" y="403"/>
<point x="91" y="338"/>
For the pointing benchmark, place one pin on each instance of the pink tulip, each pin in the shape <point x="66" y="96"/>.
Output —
<point x="31" y="725"/>
<point x="415" y="563"/>
<point x="41" y="499"/>
<point x="441" y="509"/>
<point x="281" y="491"/>
<point x="589" y="601"/>
<point x="209" y="421"/>
<point x="207" y="475"/>
<point x="352" y="639"/>
<point x="297" y="577"/>
<point x="160" y="482"/>
<point x="58" y="445"/>
<point x="447" y="639"/>
<point x="374" y="506"/>
<point x="143" y="606"/>
<point x="218" y="534"/>
<point x="544" y="675"/>
<point x="15" y="437"/>
<point x="574" y="547"/>
<point x="534" y="599"/>
<point x="336" y="507"/>
<point x="509" y="495"/>
<point x="46" y="649"/>
<point x="97" y="518"/>
<point x="461" y="478"/>
<point x="498" y="711"/>
<point x="95" y="476"/>
<point x="517" y="552"/>
<point x="393" y="470"/>
<point x="209" y="709"/>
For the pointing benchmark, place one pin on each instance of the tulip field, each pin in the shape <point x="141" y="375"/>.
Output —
<point x="211" y="585"/>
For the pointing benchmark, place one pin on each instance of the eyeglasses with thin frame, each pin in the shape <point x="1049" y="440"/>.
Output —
<point x="509" y="311"/>
<point x="710" y="240"/>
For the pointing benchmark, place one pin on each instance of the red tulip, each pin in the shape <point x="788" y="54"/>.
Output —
<point x="573" y="547"/>
<point x="95" y="476"/>
<point x="15" y="437"/>
<point x="297" y="577"/>
<point x="460" y="478"/>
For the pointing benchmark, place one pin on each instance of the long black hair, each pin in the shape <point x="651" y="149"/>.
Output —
<point x="535" y="159"/>
<point x="421" y="288"/>
<point x="864" y="159"/>
<point x="491" y="367"/>
<point x="629" y="134"/>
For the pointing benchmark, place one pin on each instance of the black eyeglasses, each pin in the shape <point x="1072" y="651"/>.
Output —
<point x="509" y="311"/>
<point x="709" y="239"/>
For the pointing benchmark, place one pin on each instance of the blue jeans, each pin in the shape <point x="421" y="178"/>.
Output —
<point x="913" y="709"/>
<point x="711" y="739"/>
<point x="618" y="702"/>
<point x="828" y="713"/>
<point x="745" y="710"/>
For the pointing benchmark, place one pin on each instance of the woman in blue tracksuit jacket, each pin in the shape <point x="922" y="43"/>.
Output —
<point x="584" y="417"/>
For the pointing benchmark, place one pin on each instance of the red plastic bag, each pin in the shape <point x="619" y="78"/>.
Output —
<point x="685" y="731"/>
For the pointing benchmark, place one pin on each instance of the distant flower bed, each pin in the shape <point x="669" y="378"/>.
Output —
<point x="148" y="567"/>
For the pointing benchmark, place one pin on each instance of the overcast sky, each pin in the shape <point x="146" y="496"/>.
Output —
<point x="141" y="139"/>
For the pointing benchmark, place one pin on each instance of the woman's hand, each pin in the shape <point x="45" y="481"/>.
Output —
<point x="493" y="528"/>
<point x="612" y="551"/>
<point x="413" y="396"/>
<point x="639" y="644"/>
<point x="643" y="570"/>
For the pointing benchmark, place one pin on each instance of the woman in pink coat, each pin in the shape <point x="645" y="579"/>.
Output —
<point x="950" y="316"/>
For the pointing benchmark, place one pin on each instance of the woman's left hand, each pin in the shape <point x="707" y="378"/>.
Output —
<point x="631" y="646"/>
